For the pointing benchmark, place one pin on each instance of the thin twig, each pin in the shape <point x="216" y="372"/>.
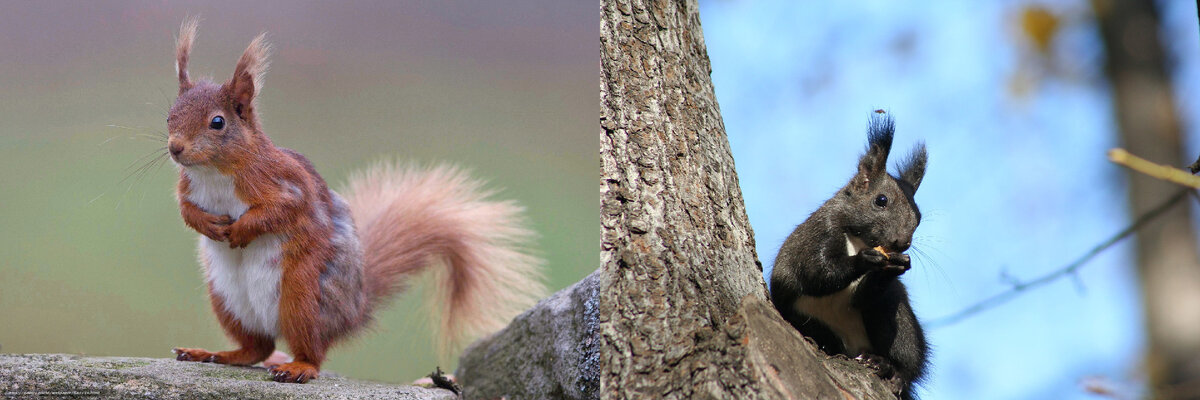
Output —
<point x="1068" y="270"/>
<point x="1166" y="173"/>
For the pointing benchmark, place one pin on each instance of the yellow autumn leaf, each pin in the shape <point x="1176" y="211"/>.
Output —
<point x="1040" y="25"/>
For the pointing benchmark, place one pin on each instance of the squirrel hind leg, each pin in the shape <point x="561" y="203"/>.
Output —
<point x="242" y="356"/>
<point x="252" y="348"/>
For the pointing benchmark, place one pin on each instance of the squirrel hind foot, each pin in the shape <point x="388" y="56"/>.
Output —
<point x="881" y="366"/>
<point x="294" y="372"/>
<point x="885" y="370"/>
<point x="197" y="355"/>
<point x="235" y="357"/>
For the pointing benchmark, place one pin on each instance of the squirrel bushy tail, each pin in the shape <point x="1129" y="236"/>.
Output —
<point x="410" y="219"/>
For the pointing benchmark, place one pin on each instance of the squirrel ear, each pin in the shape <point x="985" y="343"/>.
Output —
<point x="912" y="169"/>
<point x="873" y="164"/>
<point x="247" y="79"/>
<point x="183" y="48"/>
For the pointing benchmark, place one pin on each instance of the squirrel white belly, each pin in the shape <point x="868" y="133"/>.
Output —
<point x="246" y="279"/>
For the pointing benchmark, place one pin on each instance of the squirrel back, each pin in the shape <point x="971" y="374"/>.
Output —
<point x="835" y="277"/>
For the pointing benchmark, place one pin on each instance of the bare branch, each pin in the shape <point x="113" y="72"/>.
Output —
<point x="1166" y="173"/>
<point x="1067" y="270"/>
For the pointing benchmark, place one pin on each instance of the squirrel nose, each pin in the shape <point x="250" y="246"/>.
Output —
<point x="901" y="245"/>
<point x="176" y="148"/>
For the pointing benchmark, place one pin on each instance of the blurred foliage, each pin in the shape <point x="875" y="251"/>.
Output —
<point x="1050" y="42"/>
<point x="1040" y="26"/>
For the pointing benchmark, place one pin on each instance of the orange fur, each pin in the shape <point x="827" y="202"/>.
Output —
<point x="331" y="275"/>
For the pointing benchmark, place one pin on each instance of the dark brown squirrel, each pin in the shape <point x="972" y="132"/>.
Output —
<point x="834" y="284"/>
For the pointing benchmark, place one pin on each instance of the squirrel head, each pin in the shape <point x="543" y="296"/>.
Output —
<point x="216" y="125"/>
<point x="877" y="207"/>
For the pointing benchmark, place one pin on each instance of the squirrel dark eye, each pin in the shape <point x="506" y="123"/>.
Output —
<point x="218" y="122"/>
<point x="881" y="201"/>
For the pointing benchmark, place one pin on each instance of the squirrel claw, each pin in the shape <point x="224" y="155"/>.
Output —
<point x="294" y="372"/>
<point x="199" y="355"/>
<point x="881" y="366"/>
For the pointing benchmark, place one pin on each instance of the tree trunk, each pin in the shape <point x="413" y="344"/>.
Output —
<point x="1168" y="265"/>
<point x="678" y="308"/>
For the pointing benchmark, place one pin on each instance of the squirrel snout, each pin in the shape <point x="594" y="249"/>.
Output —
<point x="175" y="149"/>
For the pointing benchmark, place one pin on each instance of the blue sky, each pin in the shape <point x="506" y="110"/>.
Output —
<point x="1017" y="185"/>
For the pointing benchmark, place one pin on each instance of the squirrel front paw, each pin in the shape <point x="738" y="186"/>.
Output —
<point x="892" y="264"/>
<point x="898" y="264"/>
<point x="873" y="256"/>
<point x="239" y="236"/>
<point x="216" y="227"/>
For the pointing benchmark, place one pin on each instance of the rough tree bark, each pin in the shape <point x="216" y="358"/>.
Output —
<point x="678" y="308"/>
<point x="1168" y="265"/>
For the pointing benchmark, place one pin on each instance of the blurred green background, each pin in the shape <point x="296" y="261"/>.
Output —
<point x="94" y="258"/>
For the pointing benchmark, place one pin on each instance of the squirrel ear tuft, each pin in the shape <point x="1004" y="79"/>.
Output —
<point x="873" y="164"/>
<point x="912" y="169"/>
<point x="247" y="79"/>
<point x="183" y="48"/>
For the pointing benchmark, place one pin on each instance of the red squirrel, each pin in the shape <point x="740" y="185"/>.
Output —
<point x="286" y="257"/>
